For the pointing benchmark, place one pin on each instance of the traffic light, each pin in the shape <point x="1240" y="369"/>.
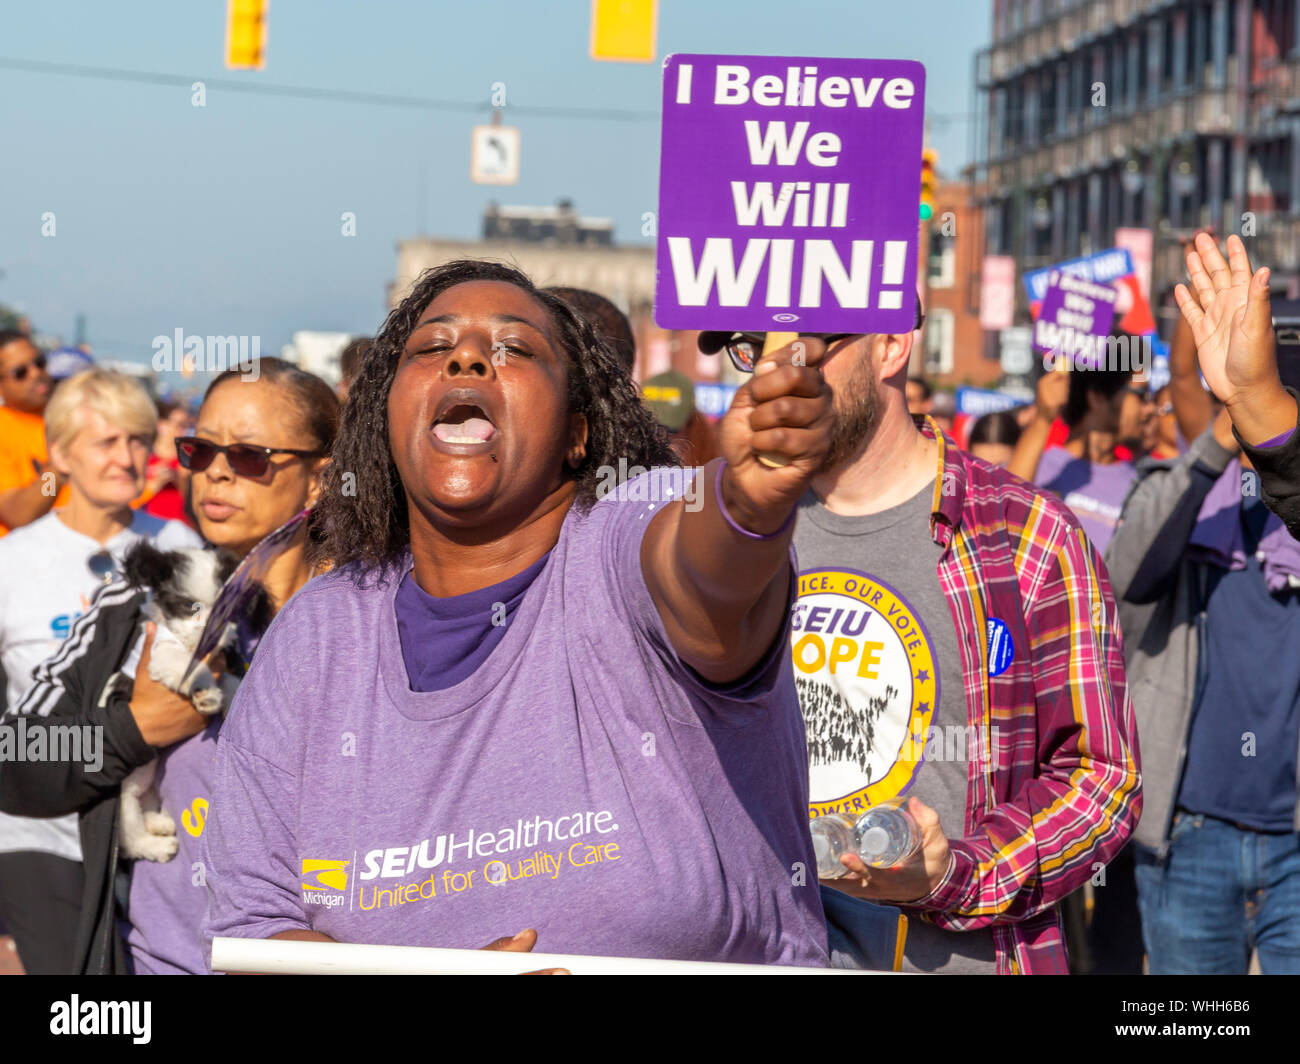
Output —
<point x="929" y="180"/>
<point x="624" y="30"/>
<point x="246" y="34"/>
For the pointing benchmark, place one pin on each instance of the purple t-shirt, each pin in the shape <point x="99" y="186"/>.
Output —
<point x="582" y="781"/>
<point x="1095" y="493"/>
<point x="172" y="893"/>
<point x="465" y="628"/>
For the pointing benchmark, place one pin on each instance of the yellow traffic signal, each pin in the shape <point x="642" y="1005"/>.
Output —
<point x="246" y="34"/>
<point x="929" y="181"/>
<point x="624" y="30"/>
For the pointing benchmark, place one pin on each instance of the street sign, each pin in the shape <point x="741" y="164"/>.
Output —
<point x="998" y="292"/>
<point x="494" y="155"/>
<point x="1016" y="354"/>
<point x="788" y="193"/>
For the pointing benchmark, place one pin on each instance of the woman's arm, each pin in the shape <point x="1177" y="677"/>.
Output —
<point x="89" y="744"/>
<point x="720" y="593"/>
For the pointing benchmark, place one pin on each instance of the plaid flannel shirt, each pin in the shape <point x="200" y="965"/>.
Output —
<point x="1054" y="789"/>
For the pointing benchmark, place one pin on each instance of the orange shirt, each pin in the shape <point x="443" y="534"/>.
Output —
<point x="22" y="438"/>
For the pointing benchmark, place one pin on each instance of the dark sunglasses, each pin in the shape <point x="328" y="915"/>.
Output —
<point x="245" y="459"/>
<point x="101" y="564"/>
<point x="20" y="374"/>
<point x="745" y="349"/>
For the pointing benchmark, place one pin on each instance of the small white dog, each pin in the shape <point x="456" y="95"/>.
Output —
<point x="182" y="586"/>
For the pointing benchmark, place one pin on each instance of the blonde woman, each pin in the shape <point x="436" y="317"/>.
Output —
<point x="99" y="427"/>
<point x="256" y="456"/>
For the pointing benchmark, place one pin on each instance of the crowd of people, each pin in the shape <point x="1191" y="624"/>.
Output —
<point x="493" y="704"/>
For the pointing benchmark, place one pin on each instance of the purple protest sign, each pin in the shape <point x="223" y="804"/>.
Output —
<point x="1075" y="319"/>
<point x="789" y="191"/>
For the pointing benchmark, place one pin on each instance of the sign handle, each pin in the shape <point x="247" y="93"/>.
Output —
<point x="775" y="341"/>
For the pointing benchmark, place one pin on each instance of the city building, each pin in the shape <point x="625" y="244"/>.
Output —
<point x="1169" y="117"/>
<point x="954" y="350"/>
<point x="318" y="353"/>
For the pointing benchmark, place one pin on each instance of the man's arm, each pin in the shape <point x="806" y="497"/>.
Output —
<point x="1227" y="308"/>
<point x="721" y="594"/>
<point x="21" y="506"/>
<point x="1080" y="809"/>
<point x="1051" y="393"/>
<point x="1278" y="466"/>
<point x="1160" y="515"/>
<point x="1193" y="409"/>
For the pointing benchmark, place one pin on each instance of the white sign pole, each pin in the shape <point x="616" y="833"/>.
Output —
<point x="286" y="957"/>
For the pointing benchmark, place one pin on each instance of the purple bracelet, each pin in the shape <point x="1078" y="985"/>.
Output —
<point x="717" y="491"/>
<point x="1276" y="441"/>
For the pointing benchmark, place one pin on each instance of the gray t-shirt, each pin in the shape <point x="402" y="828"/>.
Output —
<point x="879" y="678"/>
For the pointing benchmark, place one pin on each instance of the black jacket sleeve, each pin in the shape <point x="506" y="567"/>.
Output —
<point x="1279" y="475"/>
<point x="75" y="771"/>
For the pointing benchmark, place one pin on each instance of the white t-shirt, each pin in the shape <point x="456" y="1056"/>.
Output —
<point x="45" y="585"/>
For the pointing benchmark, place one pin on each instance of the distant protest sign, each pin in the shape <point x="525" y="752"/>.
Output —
<point x="1114" y="267"/>
<point x="789" y="191"/>
<point x="1075" y="319"/>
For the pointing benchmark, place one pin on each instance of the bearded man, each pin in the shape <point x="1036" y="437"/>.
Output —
<point x="956" y="651"/>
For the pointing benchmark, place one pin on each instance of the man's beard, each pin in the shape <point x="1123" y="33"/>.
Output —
<point x="857" y="416"/>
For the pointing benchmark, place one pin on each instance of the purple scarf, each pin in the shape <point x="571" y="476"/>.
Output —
<point x="1218" y="538"/>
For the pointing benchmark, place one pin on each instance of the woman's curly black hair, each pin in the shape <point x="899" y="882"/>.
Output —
<point x="362" y="509"/>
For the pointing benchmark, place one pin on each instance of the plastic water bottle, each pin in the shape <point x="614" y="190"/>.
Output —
<point x="832" y="838"/>
<point x="887" y="834"/>
<point x="882" y="836"/>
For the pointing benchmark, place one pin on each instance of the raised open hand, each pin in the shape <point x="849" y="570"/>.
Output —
<point x="1231" y="320"/>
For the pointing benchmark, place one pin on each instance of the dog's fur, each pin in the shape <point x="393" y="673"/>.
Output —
<point x="182" y="586"/>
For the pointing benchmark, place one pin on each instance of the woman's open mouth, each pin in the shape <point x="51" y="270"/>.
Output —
<point x="463" y="427"/>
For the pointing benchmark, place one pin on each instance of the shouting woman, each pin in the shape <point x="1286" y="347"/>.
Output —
<point x="515" y="706"/>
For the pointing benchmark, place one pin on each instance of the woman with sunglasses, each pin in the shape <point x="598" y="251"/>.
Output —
<point x="256" y="456"/>
<point x="516" y="706"/>
<point x="99" y="426"/>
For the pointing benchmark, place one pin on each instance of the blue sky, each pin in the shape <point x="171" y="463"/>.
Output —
<point x="226" y="218"/>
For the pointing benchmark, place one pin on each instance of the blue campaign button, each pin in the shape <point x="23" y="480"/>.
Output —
<point x="1001" y="648"/>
